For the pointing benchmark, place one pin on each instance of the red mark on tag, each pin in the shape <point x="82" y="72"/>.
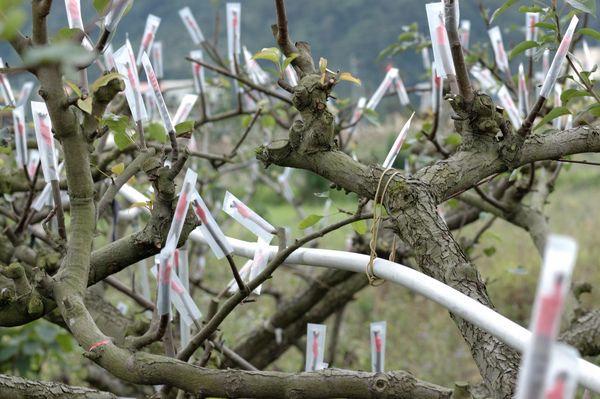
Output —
<point x="132" y="80"/>
<point x="244" y="212"/>
<point x="176" y="288"/>
<point x="191" y="23"/>
<point x="549" y="307"/>
<point x="234" y="21"/>
<point x="45" y="132"/>
<point x="378" y="343"/>
<point x="148" y="37"/>
<point x="440" y="32"/>
<point x="74" y="9"/>
<point x="201" y="214"/>
<point x="181" y="206"/>
<point x="153" y="81"/>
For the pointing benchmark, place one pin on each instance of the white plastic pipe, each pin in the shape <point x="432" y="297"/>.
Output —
<point x="481" y="316"/>
<point x="461" y="305"/>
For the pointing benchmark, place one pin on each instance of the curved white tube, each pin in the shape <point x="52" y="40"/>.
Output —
<point x="481" y="316"/>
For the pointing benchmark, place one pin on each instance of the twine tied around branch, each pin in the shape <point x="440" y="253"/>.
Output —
<point x="375" y="281"/>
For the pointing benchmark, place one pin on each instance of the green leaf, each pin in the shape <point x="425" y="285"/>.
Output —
<point x="245" y="120"/>
<point x="73" y="86"/>
<point x="100" y="6"/>
<point x="406" y="36"/>
<point x="124" y="139"/>
<point x="225" y="83"/>
<point x="23" y="364"/>
<point x="344" y="102"/>
<point x="503" y="8"/>
<point x="522" y="47"/>
<point x="116" y="125"/>
<point x="271" y="54"/>
<point x="66" y="53"/>
<point x="156" y="131"/>
<point x="12" y="21"/>
<point x="555" y="113"/>
<point x="347" y="76"/>
<point x="65" y="34"/>
<point x="453" y="203"/>
<point x="563" y="20"/>
<point x="572" y="93"/>
<point x="546" y="25"/>
<point x="588" y="6"/>
<point x="489" y="251"/>
<point x="118" y="168"/>
<point x="324" y="194"/>
<point x="360" y="226"/>
<point x="531" y="9"/>
<point x="454" y="139"/>
<point x="378" y="209"/>
<point x="65" y="342"/>
<point x="104" y="80"/>
<point x="7" y="352"/>
<point x="584" y="111"/>
<point x="589" y="32"/>
<point x="386" y="51"/>
<point x="310" y="220"/>
<point x="322" y="65"/>
<point x="548" y="15"/>
<point x="371" y="116"/>
<point x="268" y="121"/>
<point x="595" y="110"/>
<point x="32" y="347"/>
<point x="85" y="105"/>
<point x="289" y="59"/>
<point x="184" y="128"/>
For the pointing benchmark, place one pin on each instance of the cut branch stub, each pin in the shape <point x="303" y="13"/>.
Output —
<point x="476" y="119"/>
<point x="316" y="129"/>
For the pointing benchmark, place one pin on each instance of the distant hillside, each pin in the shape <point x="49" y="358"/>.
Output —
<point x="349" y="33"/>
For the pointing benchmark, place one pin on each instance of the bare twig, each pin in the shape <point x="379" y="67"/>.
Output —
<point x="527" y="124"/>
<point x="490" y="199"/>
<point x="462" y="75"/>
<point x="487" y="180"/>
<point x="584" y="162"/>
<point x="60" y="216"/>
<point x="245" y="81"/>
<point x="140" y="299"/>
<point x="245" y="134"/>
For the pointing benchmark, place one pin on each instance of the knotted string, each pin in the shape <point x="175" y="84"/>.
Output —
<point x="375" y="281"/>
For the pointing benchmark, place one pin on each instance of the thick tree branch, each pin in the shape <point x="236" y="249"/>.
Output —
<point x="12" y="387"/>
<point x="39" y="11"/>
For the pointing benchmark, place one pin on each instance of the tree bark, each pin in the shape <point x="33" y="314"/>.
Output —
<point x="19" y="388"/>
